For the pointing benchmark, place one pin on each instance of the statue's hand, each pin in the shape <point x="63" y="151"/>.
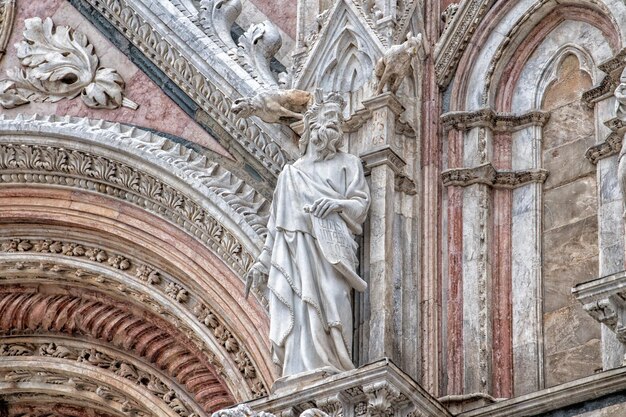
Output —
<point x="322" y="207"/>
<point x="256" y="278"/>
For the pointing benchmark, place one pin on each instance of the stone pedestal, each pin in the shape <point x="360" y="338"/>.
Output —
<point x="377" y="389"/>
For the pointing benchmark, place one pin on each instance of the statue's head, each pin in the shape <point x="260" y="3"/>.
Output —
<point x="322" y="125"/>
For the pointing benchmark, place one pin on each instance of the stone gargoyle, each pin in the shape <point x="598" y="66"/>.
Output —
<point x="395" y="64"/>
<point x="274" y="105"/>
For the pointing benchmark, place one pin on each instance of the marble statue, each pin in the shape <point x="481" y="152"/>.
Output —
<point x="309" y="261"/>
<point x="395" y="65"/>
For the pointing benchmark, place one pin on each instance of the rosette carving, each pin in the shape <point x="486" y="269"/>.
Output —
<point x="58" y="63"/>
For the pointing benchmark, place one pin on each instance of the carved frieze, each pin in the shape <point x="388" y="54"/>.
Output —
<point x="62" y="165"/>
<point x="456" y="38"/>
<point x="498" y="122"/>
<point x="247" y="134"/>
<point x="148" y="274"/>
<point x="105" y="362"/>
<point x="58" y="63"/>
<point x="486" y="174"/>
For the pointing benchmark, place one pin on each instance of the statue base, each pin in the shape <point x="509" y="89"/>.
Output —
<point x="293" y="383"/>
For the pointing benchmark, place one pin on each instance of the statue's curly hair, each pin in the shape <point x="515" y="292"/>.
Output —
<point x="311" y="122"/>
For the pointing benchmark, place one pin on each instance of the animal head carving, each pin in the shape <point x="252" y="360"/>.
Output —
<point x="242" y="107"/>
<point x="413" y="43"/>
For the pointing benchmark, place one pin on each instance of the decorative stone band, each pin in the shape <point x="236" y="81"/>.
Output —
<point x="250" y="137"/>
<point x="454" y="40"/>
<point x="612" y="145"/>
<point x="117" y="395"/>
<point x="78" y="264"/>
<point x="605" y="300"/>
<point x="7" y="15"/>
<point x="498" y="122"/>
<point x="379" y="389"/>
<point x="210" y="191"/>
<point x="486" y="174"/>
<point x="107" y="365"/>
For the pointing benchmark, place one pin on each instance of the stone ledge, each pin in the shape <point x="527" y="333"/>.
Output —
<point x="377" y="389"/>
<point x="486" y="174"/>
<point x="556" y="398"/>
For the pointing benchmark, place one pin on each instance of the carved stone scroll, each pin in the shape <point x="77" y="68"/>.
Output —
<point x="218" y="17"/>
<point x="257" y="46"/>
<point x="58" y="63"/>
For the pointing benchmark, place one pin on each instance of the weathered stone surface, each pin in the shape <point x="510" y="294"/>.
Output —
<point x="567" y="124"/>
<point x="575" y="243"/>
<point x="567" y="328"/>
<point x="567" y="162"/>
<point x="573" y="363"/>
<point x="570" y="203"/>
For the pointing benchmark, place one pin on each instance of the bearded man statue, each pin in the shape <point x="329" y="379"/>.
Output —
<point x="309" y="259"/>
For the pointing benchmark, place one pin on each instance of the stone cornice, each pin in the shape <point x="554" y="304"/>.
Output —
<point x="383" y="156"/>
<point x="457" y="35"/>
<point x="498" y="122"/>
<point x="486" y="174"/>
<point x="613" y="67"/>
<point x="556" y="398"/>
<point x="199" y="69"/>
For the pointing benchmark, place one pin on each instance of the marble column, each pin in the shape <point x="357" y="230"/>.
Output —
<point x="383" y="163"/>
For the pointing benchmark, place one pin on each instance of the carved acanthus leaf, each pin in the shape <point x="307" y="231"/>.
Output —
<point x="497" y="122"/>
<point x="59" y="63"/>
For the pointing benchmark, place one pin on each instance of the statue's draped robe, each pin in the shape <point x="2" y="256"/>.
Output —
<point x="312" y="264"/>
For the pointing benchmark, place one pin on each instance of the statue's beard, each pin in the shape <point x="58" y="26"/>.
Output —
<point x="325" y="141"/>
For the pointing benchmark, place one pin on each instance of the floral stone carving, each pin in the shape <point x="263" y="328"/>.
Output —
<point x="58" y="63"/>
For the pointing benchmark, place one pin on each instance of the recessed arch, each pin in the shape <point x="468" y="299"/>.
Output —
<point x="92" y="206"/>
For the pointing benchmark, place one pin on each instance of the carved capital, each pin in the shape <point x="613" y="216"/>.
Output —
<point x="486" y="174"/>
<point x="384" y="100"/>
<point x="383" y="156"/>
<point x="381" y="399"/>
<point x="497" y="122"/>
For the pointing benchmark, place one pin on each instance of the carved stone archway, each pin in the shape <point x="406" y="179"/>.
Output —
<point x="144" y="228"/>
